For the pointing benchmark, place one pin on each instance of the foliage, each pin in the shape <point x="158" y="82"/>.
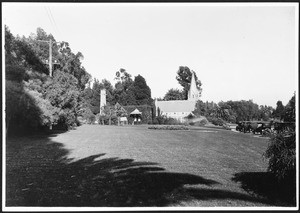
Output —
<point x="15" y="73"/>
<point x="164" y="120"/>
<point x="120" y="112"/>
<point x="123" y="93"/>
<point x="91" y="119"/>
<point x="201" y="108"/>
<point x="281" y="153"/>
<point x="202" y="121"/>
<point x="233" y="111"/>
<point x="290" y="111"/>
<point x="66" y="60"/>
<point x="174" y="94"/>
<point x="279" y="111"/>
<point x="92" y="97"/>
<point x="49" y="114"/>
<point x="281" y="150"/>
<point x="141" y="91"/>
<point x="265" y="112"/>
<point x="108" y="115"/>
<point x="184" y="77"/>
<point x="48" y="101"/>
<point x="146" y="110"/>
<point x="168" y="127"/>
<point x="22" y="113"/>
<point x="216" y="121"/>
<point x="105" y="84"/>
<point x="87" y="115"/>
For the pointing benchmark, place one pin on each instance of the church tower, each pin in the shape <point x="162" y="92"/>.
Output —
<point x="193" y="94"/>
<point x="102" y="99"/>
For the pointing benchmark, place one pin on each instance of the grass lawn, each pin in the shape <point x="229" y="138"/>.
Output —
<point x="135" y="166"/>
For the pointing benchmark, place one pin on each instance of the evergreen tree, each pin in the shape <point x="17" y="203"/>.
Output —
<point x="290" y="111"/>
<point x="142" y="91"/>
<point x="279" y="111"/>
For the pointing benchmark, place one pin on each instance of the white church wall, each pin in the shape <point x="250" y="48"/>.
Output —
<point x="176" y="115"/>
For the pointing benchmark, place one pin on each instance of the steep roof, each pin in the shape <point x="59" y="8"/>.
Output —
<point x="135" y="112"/>
<point x="176" y="106"/>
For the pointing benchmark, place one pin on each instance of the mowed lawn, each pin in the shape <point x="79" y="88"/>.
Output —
<point x="111" y="166"/>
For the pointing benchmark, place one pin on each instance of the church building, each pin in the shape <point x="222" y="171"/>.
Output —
<point x="179" y="109"/>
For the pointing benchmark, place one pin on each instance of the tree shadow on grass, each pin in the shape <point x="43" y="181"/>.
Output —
<point x="265" y="185"/>
<point x="39" y="173"/>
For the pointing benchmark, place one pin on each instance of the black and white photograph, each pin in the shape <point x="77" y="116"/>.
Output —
<point x="150" y="106"/>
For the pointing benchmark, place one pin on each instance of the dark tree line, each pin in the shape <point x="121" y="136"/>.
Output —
<point x="126" y="92"/>
<point x="235" y="111"/>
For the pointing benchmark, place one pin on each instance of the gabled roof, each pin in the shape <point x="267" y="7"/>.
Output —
<point x="135" y="112"/>
<point x="176" y="106"/>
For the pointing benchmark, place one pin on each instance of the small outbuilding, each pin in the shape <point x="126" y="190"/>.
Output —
<point x="123" y="121"/>
<point x="136" y="115"/>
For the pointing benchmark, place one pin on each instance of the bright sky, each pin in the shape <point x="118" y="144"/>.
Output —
<point x="239" y="51"/>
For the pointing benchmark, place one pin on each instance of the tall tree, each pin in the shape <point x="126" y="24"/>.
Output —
<point x="64" y="94"/>
<point x="48" y="100"/>
<point x="290" y="111"/>
<point x="94" y="97"/>
<point x="279" y="111"/>
<point x="124" y="81"/>
<point x="265" y="112"/>
<point x="142" y="91"/>
<point x="184" y="77"/>
<point x="174" y="94"/>
<point x="201" y="108"/>
<point x="63" y="57"/>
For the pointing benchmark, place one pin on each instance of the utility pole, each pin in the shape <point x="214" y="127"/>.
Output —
<point x="50" y="54"/>
<point x="50" y="57"/>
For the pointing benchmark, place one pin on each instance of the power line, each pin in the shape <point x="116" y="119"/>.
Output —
<point x="57" y="29"/>
<point x="52" y="21"/>
<point x="49" y="17"/>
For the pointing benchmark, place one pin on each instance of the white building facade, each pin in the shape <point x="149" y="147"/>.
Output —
<point x="179" y="109"/>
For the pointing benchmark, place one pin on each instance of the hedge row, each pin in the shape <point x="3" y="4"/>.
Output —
<point x="169" y="127"/>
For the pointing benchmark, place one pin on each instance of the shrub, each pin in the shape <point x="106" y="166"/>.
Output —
<point x="168" y="127"/>
<point x="155" y="121"/>
<point x="281" y="153"/>
<point x="202" y="122"/>
<point x="164" y="120"/>
<point x="91" y="119"/>
<point x="226" y="126"/>
<point x="217" y="121"/>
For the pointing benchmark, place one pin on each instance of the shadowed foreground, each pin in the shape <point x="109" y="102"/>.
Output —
<point x="40" y="173"/>
<point x="265" y="185"/>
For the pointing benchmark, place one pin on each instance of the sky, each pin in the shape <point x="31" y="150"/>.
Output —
<point x="238" y="51"/>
